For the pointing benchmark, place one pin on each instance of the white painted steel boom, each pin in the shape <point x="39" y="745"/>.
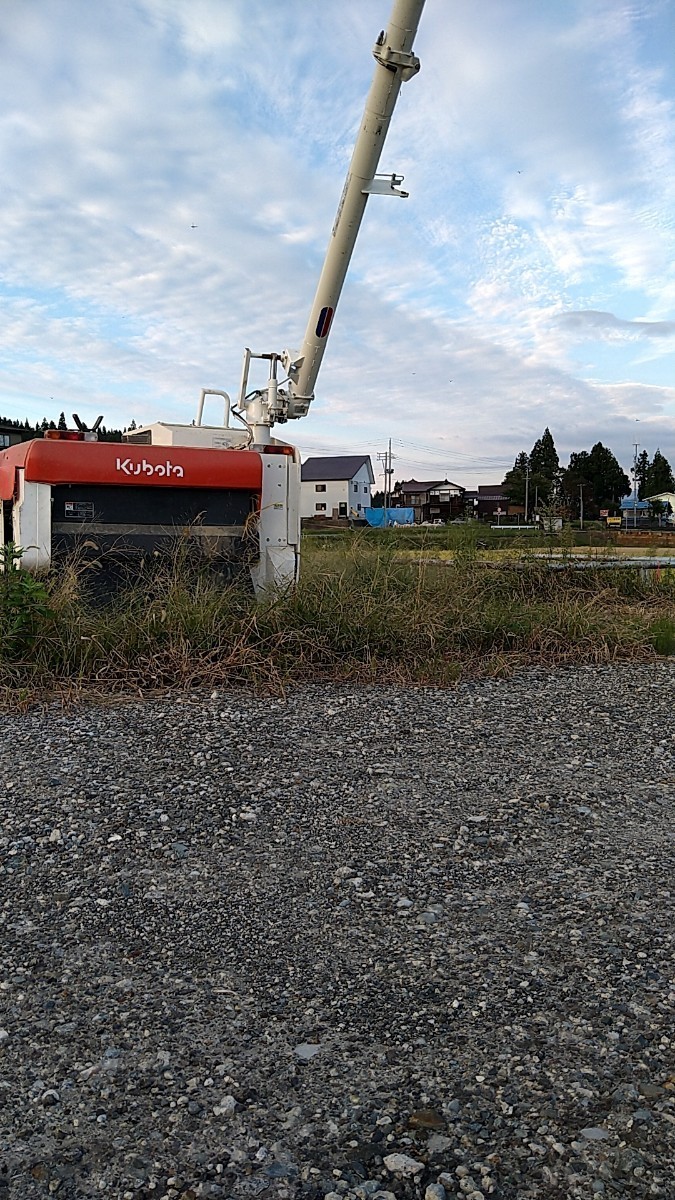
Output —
<point x="395" y="63"/>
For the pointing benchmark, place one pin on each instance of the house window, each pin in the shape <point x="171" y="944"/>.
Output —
<point x="365" y="491"/>
<point x="356" y="487"/>
<point x="319" y="487"/>
<point x="4" y="440"/>
<point x="320" y="507"/>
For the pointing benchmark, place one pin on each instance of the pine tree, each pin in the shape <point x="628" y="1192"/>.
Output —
<point x="544" y="457"/>
<point x="62" y="421"/>
<point x="641" y="468"/>
<point x="544" y="469"/>
<point x="659" y="476"/>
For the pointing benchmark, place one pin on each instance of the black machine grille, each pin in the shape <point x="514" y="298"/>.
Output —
<point x="87" y="504"/>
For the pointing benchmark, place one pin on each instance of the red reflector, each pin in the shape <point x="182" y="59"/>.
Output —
<point x="323" y="324"/>
<point x="63" y="435"/>
<point x="276" y="450"/>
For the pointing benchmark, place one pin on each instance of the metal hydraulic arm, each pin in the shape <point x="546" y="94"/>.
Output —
<point x="395" y="63"/>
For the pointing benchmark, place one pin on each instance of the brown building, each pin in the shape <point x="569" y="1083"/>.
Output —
<point x="489" y="503"/>
<point x="432" y="500"/>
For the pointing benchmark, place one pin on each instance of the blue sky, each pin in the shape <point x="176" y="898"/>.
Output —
<point x="529" y="280"/>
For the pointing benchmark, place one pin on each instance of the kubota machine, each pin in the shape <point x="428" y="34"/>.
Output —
<point x="233" y="490"/>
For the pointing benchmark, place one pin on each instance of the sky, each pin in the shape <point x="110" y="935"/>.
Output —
<point x="169" y="177"/>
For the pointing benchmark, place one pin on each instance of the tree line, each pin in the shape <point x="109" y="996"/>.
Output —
<point x="593" y="478"/>
<point x="28" y="431"/>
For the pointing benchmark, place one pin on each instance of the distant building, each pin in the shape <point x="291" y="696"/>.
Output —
<point x="11" y="436"/>
<point x="630" y="505"/>
<point x="667" y="499"/>
<point x="336" y="487"/>
<point x="432" y="500"/>
<point x="642" y="511"/>
<point x="489" y="502"/>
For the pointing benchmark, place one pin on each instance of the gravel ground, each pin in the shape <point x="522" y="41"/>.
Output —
<point x="355" y="943"/>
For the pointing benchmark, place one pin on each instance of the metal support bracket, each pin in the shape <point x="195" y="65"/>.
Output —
<point x="393" y="60"/>
<point x="385" y="185"/>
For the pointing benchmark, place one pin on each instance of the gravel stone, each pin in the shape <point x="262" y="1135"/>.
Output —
<point x="307" y="1050"/>
<point x="402" y="1164"/>
<point x="463" y="899"/>
<point x="435" y="1191"/>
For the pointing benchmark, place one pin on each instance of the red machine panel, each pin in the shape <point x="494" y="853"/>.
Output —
<point x="111" y="463"/>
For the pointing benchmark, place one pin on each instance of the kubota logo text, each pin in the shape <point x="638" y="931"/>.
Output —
<point x="162" y="470"/>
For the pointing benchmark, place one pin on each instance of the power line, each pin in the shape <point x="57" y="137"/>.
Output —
<point x="450" y="466"/>
<point x="454" y="460"/>
<point x="441" y="452"/>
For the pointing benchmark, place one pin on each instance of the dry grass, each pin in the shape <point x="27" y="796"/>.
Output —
<point x="360" y="614"/>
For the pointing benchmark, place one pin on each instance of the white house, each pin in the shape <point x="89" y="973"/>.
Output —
<point x="336" y="487"/>
<point x="667" y="498"/>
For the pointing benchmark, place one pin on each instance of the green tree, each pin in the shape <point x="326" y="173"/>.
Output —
<point x="109" y="435"/>
<point x="576" y="478"/>
<point x="658" y="476"/>
<point x="29" y="430"/>
<point x="598" y="476"/>
<point x="514" y="482"/>
<point x="640" y="473"/>
<point x="544" y="467"/>
<point x="536" y="474"/>
<point x="659" y="509"/>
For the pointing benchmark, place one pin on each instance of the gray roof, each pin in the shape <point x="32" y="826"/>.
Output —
<point x="344" y="466"/>
<point x="418" y="485"/>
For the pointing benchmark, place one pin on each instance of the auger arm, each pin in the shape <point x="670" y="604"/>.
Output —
<point x="394" y="64"/>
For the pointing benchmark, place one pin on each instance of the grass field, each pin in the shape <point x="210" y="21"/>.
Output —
<point x="363" y="612"/>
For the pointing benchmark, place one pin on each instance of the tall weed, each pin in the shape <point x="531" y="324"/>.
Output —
<point x="361" y="612"/>
<point x="24" y="605"/>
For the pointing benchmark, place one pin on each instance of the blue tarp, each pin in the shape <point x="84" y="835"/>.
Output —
<point x="394" y="516"/>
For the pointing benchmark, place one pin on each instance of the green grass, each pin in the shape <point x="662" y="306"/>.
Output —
<point x="360" y="613"/>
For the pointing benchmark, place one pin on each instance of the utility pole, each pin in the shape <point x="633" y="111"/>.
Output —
<point x="581" y="506"/>
<point x="382" y="457"/>
<point x="635" y="483"/>
<point x="385" y="458"/>
<point x="527" y="490"/>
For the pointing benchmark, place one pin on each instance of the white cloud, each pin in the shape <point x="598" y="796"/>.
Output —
<point x="606" y="325"/>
